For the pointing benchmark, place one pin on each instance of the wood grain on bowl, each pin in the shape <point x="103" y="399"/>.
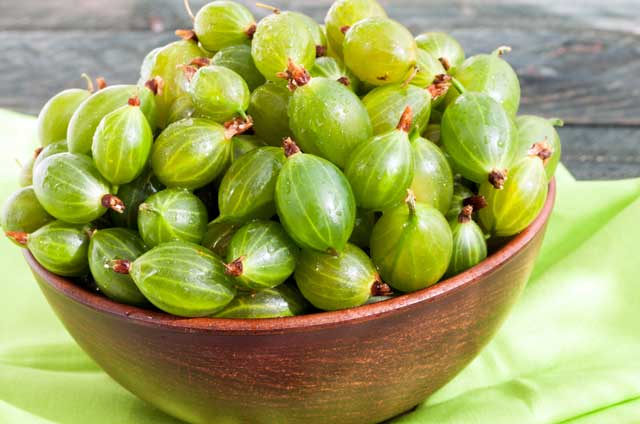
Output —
<point x="362" y="365"/>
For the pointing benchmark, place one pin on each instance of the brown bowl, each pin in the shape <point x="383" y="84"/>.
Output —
<point x="361" y="365"/>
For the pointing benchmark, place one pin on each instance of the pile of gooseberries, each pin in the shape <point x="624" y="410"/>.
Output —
<point x="276" y="168"/>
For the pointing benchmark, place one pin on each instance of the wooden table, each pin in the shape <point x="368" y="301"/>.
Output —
<point x="578" y="60"/>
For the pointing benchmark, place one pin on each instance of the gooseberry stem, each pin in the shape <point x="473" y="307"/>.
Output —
<point x="112" y="202"/>
<point x="410" y="200"/>
<point x="290" y="147"/>
<point x="497" y="178"/>
<point x="235" y="268"/>
<point x="411" y="76"/>
<point x="90" y="87"/>
<point x="556" y="122"/>
<point x="458" y="85"/>
<point x="19" y="237"/>
<point x="187" y="6"/>
<point x="380" y="288"/>
<point x="120" y="266"/>
<point x="500" y="51"/>
<point x="268" y="7"/>
<point x="406" y="120"/>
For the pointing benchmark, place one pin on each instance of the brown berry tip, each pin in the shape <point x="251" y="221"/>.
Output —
<point x="290" y="147"/>
<point x="119" y="266"/>
<point x="251" y="30"/>
<point x="234" y="268"/>
<point x="295" y="74"/>
<point x="101" y="83"/>
<point x="156" y="85"/>
<point x="189" y="71"/>
<point x="37" y="152"/>
<point x="543" y="150"/>
<point x="114" y="203"/>
<point x="383" y="77"/>
<point x="134" y="101"/>
<point x="476" y="202"/>
<point x="19" y="237"/>
<point x="237" y="126"/>
<point x="321" y="51"/>
<point x="344" y="29"/>
<point x="440" y="86"/>
<point x="406" y="120"/>
<point x="344" y="81"/>
<point x="200" y="62"/>
<point x="187" y="34"/>
<point x="445" y="63"/>
<point x="497" y="178"/>
<point x="500" y="51"/>
<point x="465" y="214"/>
<point x="380" y="288"/>
<point x="410" y="200"/>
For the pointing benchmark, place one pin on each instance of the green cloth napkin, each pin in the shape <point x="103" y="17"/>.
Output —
<point x="569" y="353"/>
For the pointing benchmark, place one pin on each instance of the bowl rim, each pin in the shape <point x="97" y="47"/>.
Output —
<point x="302" y="322"/>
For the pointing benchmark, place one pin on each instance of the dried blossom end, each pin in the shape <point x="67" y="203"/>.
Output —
<point x="235" y="268"/>
<point x="440" y="86"/>
<point x="406" y="120"/>
<point x="112" y="202"/>
<point x="497" y="178"/>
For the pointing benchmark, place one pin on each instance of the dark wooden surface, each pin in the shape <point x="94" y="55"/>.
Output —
<point x="305" y="369"/>
<point x="577" y="60"/>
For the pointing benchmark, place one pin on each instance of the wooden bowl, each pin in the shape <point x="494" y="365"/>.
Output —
<point x="361" y="365"/>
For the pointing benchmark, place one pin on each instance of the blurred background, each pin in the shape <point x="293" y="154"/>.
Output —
<point x="577" y="60"/>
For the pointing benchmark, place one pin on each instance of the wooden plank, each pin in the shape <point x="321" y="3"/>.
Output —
<point x="620" y="15"/>
<point x="581" y="76"/>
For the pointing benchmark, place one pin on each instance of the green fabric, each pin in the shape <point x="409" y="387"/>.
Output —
<point x="570" y="352"/>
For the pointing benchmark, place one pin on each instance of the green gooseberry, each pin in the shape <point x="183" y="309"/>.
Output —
<point x="107" y="246"/>
<point x="513" y="208"/>
<point x="238" y="58"/>
<point x="23" y="213"/>
<point x="334" y="282"/>
<point x="432" y="133"/>
<point x="345" y="13"/>
<point x="261" y="255"/>
<point x="317" y="33"/>
<point x="219" y="233"/>
<point x="381" y="170"/>
<point x="71" y="188"/>
<point x="132" y="195"/>
<point x="537" y="132"/>
<point x="219" y="93"/>
<point x="460" y="193"/>
<point x="55" y="115"/>
<point x="328" y="119"/>
<point x="411" y="246"/>
<point x="492" y="75"/>
<point x="248" y="188"/>
<point x="427" y="68"/>
<point x="281" y="301"/>
<point x="480" y="138"/>
<point x="50" y="150"/>
<point x="443" y="47"/>
<point x="87" y="117"/>
<point x="282" y="38"/>
<point x="170" y="215"/>
<point x="385" y="106"/>
<point x="182" y="108"/>
<point x="122" y="143"/>
<point x="181" y="278"/>
<point x="433" y="180"/>
<point x="469" y="243"/>
<point x="191" y="153"/>
<point x="165" y="76"/>
<point x="365" y="220"/>
<point x="242" y="144"/>
<point x="380" y="51"/>
<point x="268" y="107"/>
<point x="314" y="201"/>
<point x="331" y="68"/>
<point x="61" y="248"/>
<point x="221" y="24"/>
